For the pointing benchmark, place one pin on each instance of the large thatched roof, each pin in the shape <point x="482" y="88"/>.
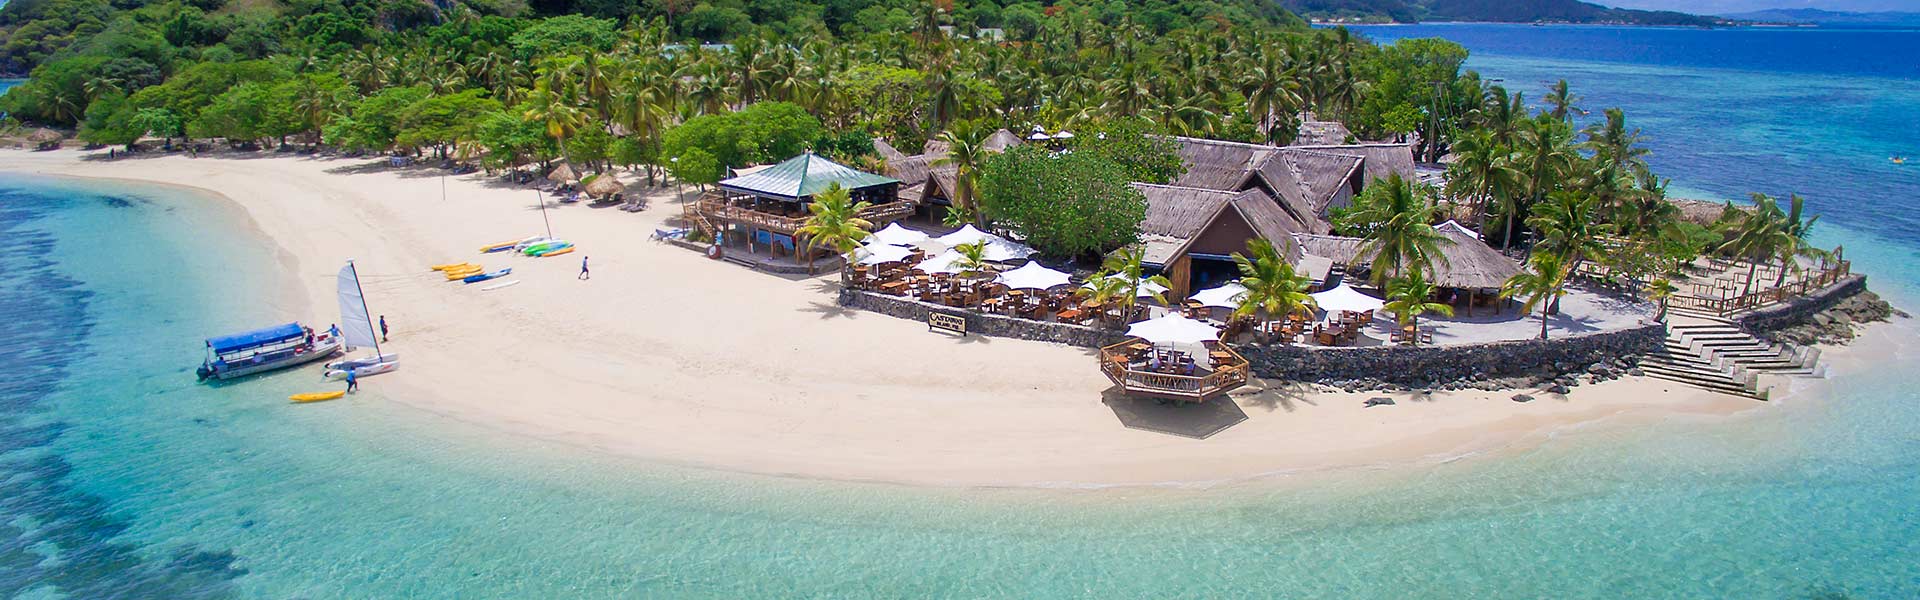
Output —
<point x="1176" y="215"/>
<point x="1381" y="159"/>
<point x="1218" y="165"/>
<point x="1471" y="263"/>
<point x="563" y="174"/>
<point x="1001" y="140"/>
<point x="1464" y="261"/>
<point x="1313" y="132"/>
<point x="605" y="184"/>
<point x="44" y="135"/>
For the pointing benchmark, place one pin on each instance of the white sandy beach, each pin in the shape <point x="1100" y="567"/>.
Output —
<point x="667" y="356"/>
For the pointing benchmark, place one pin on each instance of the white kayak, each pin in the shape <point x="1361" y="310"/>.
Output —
<point x="354" y="363"/>
<point x="499" y="285"/>
<point x="373" y="369"/>
<point x="538" y="239"/>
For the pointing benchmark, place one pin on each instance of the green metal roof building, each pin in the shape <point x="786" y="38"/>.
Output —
<point x="799" y="178"/>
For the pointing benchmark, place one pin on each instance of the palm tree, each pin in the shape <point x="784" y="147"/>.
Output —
<point x="1409" y="297"/>
<point x="1403" y="236"/>
<point x="833" y="221"/>
<point x="1794" y="230"/>
<point x="1543" y="281"/>
<point x="1758" y="236"/>
<point x="561" y="117"/>
<point x="1123" y="271"/>
<point x="966" y="152"/>
<point x="1569" y="227"/>
<point x="973" y="258"/>
<point x="1481" y="171"/>
<point x="1661" y="291"/>
<point x="1270" y="87"/>
<point x="1545" y="158"/>
<point x="1273" y="288"/>
<point x="1561" y="100"/>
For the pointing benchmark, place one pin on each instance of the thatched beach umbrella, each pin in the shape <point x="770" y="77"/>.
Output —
<point x="563" y="174"/>
<point x="44" y="136"/>
<point x="605" y="185"/>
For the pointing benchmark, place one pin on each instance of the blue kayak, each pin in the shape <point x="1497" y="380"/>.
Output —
<point x="485" y="276"/>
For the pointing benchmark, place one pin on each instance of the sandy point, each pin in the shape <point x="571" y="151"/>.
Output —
<point x="667" y="356"/>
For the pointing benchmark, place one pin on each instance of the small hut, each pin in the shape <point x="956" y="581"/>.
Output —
<point x="605" y="185"/>
<point x="563" y="174"/>
<point x="45" y="139"/>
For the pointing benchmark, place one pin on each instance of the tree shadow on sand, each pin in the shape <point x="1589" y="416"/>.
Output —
<point x="1191" y="420"/>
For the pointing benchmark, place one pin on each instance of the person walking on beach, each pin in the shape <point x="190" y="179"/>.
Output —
<point x="353" y="382"/>
<point x="383" y="328"/>
<point x="583" y="269"/>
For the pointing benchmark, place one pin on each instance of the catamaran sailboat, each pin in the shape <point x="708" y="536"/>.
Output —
<point x="356" y="328"/>
<point x="277" y="347"/>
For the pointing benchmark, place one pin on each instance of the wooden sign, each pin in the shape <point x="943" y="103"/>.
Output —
<point x="946" y="322"/>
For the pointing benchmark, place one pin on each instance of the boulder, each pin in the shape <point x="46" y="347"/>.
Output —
<point x="1522" y="398"/>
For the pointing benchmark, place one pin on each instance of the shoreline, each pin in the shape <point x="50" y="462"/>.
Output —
<point x="698" y="364"/>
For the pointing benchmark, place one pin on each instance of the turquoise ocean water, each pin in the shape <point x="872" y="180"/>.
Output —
<point x="121" y="478"/>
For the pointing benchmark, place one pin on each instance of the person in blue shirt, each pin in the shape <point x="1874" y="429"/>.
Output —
<point x="383" y="328"/>
<point x="583" y="269"/>
<point x="353" y="382"/>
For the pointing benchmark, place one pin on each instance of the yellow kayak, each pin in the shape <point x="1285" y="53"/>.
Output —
<point x="450" y="266"/>
<point x="464" y="273"/>
<point x="498" y="247"/>
<point x="561" y="251"/>
<point x="316" y="397"/>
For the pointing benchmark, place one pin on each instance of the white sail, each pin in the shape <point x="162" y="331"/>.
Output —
<point x="355" y="326"/>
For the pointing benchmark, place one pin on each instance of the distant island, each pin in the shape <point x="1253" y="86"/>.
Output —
<point x="1498" y="11"/>
<point x="1814" y="16"/>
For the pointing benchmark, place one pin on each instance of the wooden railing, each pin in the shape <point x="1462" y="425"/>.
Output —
<point x="721" y="209"/>
<point x="1224" y="377"/>
<point x="1697" y="298"/>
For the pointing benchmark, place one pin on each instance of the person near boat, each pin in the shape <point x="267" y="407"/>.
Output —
<point x="353" y="382"/>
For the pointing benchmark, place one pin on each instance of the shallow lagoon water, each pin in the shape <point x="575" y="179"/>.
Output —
<point x="120" y="477"/>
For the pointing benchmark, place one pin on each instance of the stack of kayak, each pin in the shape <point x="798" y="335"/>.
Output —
<point x="549" y="248"/>
<point x="459" y="271"/>
<point x="488" y="275"/>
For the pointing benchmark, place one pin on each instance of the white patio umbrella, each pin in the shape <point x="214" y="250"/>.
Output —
<point x="1039" y="135"/>
<point x="946" y="262"/>
<point x="1347" y="298"/>
<point x="1001" y="249"/>
<point x="873" y="254"/>
<point x="967" y="234"/>
<point x="1147" y="288"/>
<point x="1174" y="329"/>
<point x="1033" y="275"/>
<point x="1063" y="135"/>
<point x="1226" y="296"/>
<point x="896" y="235"/>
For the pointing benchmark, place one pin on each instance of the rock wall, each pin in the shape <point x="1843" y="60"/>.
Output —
<point x="983" y="323"/>
<point x="1460" y="365"/>
<point x="1497" y="365"/>
<point x="1800" y="310"/>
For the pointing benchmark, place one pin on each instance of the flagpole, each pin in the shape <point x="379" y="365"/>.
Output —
<point x="377" y="354"/>
<point x="543" y="212"/>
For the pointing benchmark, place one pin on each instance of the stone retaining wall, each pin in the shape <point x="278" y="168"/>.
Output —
<point x="982" y="323"/>
<point x="1798" y="310"/>
<point x="1424" y="366"/>
<point x="1421" y="366"/>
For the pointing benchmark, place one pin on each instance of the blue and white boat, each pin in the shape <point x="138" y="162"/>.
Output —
<point x="277" y="347"/>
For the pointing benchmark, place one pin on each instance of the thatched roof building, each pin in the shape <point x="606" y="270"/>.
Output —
<point x="1191" y="233"/>
<point x="605" y="185"/>
<point x="1315" y="132"/>
<point x="1702" y="212"/>
<point x="563" y="174"/>
<point x="1306" y="181"/>
<point x="922" y="179"/>
<point x="1464" y="262"/>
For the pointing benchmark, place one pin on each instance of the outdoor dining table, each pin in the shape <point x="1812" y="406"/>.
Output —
<point x="1071" y="315"/>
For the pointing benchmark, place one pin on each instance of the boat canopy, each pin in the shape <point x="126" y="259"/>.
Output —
<point x="257" y="337"/>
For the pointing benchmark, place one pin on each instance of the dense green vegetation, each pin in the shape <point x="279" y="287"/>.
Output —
<point x="600" y="84"/>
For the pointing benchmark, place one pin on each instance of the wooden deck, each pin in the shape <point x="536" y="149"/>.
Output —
<point x="1224" y="376"/>
<point x="1722" y="302"/>
<point x="722" y="210"/>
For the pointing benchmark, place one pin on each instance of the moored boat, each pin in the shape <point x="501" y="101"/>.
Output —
<point x="373" y="369"/>
<point x="266" y="349"/>
<point x="349" y="363"/>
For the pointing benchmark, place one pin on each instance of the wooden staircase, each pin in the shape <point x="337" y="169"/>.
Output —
<point x="1715" y="354"/>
